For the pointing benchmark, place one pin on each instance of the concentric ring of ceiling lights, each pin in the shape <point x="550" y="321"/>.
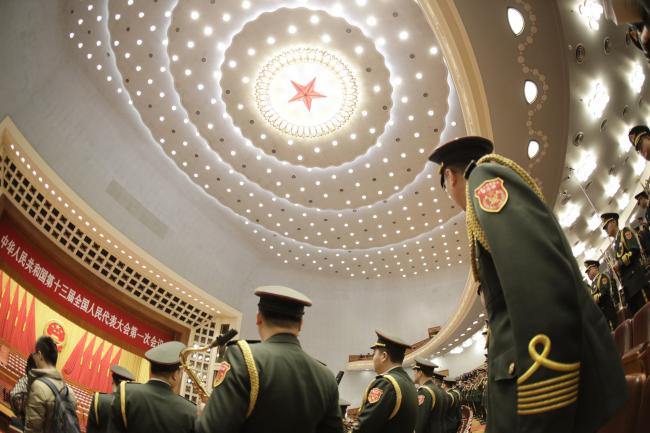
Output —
<point x="367" y="206"/>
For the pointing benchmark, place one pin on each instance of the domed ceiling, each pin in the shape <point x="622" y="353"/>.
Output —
<point x="311" y="121"/>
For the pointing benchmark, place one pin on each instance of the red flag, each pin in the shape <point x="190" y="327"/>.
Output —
<point x="85" y="362"/>
<point x="89" y="366"/>
<point x="73" y="364"/>
<point x="17" y="331"/>
<point x="4" y="305"/>
<point x="29" y="335"/>
<point x="93" y="372"/>
<point x="104" y="372"/>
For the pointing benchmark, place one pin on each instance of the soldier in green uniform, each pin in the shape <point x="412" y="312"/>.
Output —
<point x="643" y="232"/>
<point x="99" y="413"/>
<point x="545" y="331"/>
<point x="604" y="292"/>
<point x="390" y="403"/>
<point x="455" y="401"/>
<point x="155" y="406"/>
<point x="628" y="262"/>
<point x="432" y="400"/>
<point x="640" y="138"/>
<point x="643" y="201"/>
<point x="274" y="385"/>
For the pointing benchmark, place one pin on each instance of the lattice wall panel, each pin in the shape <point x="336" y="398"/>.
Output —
<point x="201" y="362"/>
<point x="80" y="244"/>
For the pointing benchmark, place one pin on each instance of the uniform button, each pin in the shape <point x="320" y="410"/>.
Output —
<point x="511" y="368"/>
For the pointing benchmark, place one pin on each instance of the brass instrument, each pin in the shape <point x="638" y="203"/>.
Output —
<point x="220" y="344"/>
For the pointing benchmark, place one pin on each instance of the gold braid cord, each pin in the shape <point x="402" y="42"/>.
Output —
<point x="433" y="396"/>
<point x="123" y="401"/>
<point x="96" y="407"/>
<point x="252" y="375"/>
<point x="474" y="231"/>
<point x="398" y="395"/>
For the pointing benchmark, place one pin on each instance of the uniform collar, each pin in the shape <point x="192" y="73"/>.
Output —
<point x="396" y="369"/>
<point x="159" y="382"/>
<point x="284" y="339"/>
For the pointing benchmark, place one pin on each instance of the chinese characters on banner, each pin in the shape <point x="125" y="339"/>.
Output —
<point x="59" y="288"/>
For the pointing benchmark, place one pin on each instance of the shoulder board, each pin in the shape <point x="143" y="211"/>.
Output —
<point x="187" y="400"/>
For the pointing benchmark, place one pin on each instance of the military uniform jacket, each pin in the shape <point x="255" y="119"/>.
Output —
<point x="628" y="255"/>
<point x="151" y="407"/>
<point x="389" y="405"/>
<point x="452" y="418"/>
<point x="273" y="386"/>
<point x="605" y="293"/>
<point x="552" y="364"/>
<point x="432" y="405"/>
<point x="99" y="413"/>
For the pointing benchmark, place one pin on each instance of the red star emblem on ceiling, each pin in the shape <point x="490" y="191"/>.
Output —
<point x="306" y="93"/>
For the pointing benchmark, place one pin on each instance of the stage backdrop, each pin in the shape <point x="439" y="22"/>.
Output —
<point x="84" y="358"/>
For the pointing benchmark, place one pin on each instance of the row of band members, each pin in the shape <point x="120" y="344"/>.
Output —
<point x="273" y="385"/>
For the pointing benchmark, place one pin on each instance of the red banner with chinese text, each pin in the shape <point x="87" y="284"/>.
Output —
<point x="52" y="284"/>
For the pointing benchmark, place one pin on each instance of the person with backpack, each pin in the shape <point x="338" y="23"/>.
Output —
<point x="51" y="405"/>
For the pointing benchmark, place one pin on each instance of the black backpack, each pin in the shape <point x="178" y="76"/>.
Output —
<point x="64" y="418"/>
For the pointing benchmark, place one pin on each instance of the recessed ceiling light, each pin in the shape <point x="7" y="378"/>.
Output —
<point x="533" y="149"/>
<point x="530" y="91"/>
<point x="516" y="21"/>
